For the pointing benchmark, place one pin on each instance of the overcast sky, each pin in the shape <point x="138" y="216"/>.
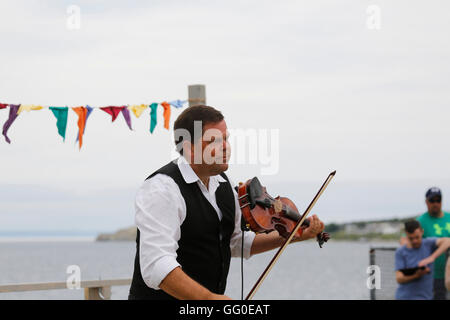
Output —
<point x="372" y="104"/>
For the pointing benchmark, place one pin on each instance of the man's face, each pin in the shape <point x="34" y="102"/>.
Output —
<point x="215" y="148"/>
<point x="434" y="205"/>
<point x="415" y="238"/>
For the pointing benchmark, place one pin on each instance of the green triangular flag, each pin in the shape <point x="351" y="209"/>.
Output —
<point x="153" y="119"/>
<point x="61" y="119"/>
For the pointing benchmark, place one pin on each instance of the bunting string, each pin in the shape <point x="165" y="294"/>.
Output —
<point x="83" y="112"/>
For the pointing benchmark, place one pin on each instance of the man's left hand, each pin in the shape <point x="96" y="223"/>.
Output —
<point x="315" y="227"/>
<point x="425" y="262"/>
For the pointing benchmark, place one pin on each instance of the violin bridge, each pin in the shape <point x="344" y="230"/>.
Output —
<point x="278" y="205"/>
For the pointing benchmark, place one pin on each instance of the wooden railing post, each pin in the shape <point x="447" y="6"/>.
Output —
<point x="93" y="289"/>
<point x="196" y="94"/>
<point x="97" y="293"/>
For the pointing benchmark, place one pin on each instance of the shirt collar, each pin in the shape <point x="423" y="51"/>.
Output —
<point x="189" y="174"/>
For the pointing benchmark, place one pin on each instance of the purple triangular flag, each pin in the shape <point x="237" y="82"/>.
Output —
<point x="13" y="108"/>
<point x="126" y="115"/>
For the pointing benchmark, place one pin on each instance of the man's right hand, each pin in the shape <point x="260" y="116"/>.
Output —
<point x="179" y="285"/>
<point x="421" y="272"/>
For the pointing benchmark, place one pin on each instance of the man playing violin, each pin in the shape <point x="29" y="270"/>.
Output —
<point x="189" y="220"/>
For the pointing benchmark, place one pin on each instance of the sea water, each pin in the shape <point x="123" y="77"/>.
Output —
<point x="304" y="271"/>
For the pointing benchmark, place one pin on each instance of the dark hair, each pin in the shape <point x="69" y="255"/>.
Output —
<point x="186" y="120"/>
<point x="411" y="226"/>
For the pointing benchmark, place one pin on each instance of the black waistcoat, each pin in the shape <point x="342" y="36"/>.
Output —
<point x="201" y="253"/>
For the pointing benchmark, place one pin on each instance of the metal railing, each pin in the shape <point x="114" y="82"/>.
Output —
<point x="93" y="289"/>
<point x="384" y="258"/>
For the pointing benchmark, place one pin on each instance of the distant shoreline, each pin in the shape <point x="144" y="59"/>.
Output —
<point x="390" y="230"/>
<point x="4" y="239"/>
<point x="95" y="240"/>
<point x="355" y="232"/>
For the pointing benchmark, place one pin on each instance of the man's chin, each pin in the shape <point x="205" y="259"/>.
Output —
<point x="219" y="168"/>
<point x="435" y="213"/>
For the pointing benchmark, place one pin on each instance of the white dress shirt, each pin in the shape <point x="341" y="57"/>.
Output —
<point x="160" y="212"/>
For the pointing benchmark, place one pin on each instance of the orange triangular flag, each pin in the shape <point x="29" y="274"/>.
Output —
<point x="166" y="114"/>
<point x="81" y="112"/>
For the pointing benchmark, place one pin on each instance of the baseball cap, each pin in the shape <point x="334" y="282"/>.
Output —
<point x="433" y="192"/>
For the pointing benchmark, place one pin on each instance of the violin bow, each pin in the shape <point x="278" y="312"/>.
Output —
<point x="291" y="236"/>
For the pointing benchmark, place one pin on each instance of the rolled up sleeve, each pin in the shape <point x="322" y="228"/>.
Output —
<point x="159" y="271"/>
<point x="236" y="243"/>
<point x="160" y="211"/>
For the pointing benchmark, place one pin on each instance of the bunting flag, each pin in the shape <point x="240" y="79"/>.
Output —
<point x="82" y="116"/>
<point x="113" y="111"/>
<point x="178" y="103"/>
<point x="166" y="114"/>
<point x="138" y="109"/>
<point x="13" y="114"/>
<point x="61" y="114"/>
<point x="153" y="118"/>
<point x="89" y="110"/>
<point x="29" y="107"/>
<point x="126" y="115"/>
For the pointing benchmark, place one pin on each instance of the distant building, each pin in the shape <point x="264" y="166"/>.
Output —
<point x="373" y="227"/>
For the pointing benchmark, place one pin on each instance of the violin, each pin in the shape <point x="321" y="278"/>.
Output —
<point x="263" y="214"/>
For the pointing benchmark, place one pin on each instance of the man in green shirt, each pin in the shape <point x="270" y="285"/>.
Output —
<point x="436" y="223"/>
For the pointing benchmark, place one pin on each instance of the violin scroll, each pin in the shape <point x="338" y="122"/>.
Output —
<point x="321" y="237"/>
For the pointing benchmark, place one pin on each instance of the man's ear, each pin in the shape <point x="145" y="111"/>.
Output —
<point x="187" y="149"/>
